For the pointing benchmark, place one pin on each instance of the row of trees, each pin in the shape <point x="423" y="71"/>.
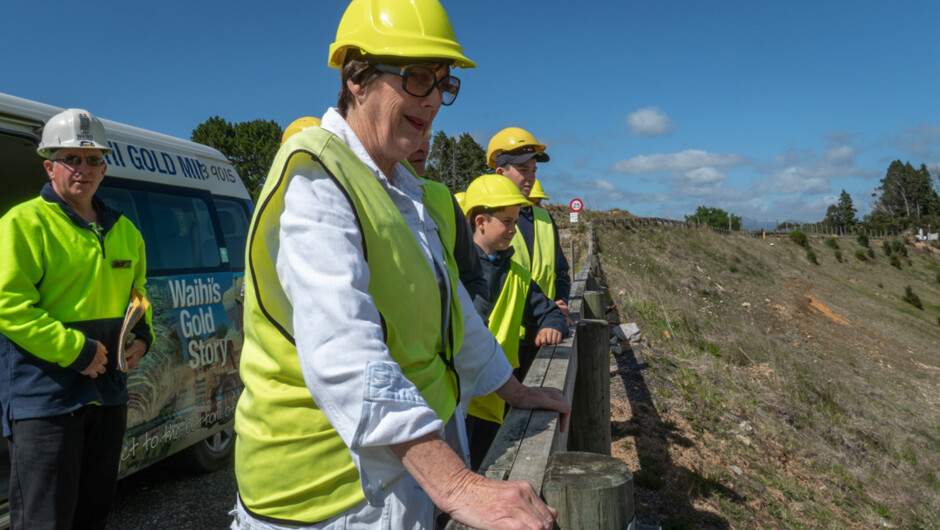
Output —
<point x="907" y="198"/>
<point x="455" y="162"/>
<point x="715" y="217"/>
<point x="249" y="145"/>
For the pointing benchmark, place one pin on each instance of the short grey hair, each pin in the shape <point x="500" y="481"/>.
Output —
<point x="358" y="71"/>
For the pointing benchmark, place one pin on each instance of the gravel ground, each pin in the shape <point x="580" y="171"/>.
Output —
<point x="163" y="496"/>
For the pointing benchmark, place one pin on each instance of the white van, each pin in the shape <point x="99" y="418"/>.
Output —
<point x="193" y="211"/>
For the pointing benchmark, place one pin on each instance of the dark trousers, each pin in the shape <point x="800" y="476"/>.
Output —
<point x="63" y="469"/>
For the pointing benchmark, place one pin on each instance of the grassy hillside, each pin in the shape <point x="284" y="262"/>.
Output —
<point x="769" y="391"/>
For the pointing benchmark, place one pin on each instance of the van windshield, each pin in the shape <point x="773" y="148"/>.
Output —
<point x="177" y="228"/>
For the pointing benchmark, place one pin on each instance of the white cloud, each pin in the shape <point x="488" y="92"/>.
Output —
<point x="920" y="140"/>
<point x="839" y="153"/>
<point x="648" y="121"/>
<point x="795" y="180"/>
<point x="603" y="185"/>
<point x="719" y="192"/>
<point x="702" y="175"/>
<point x="684" y="161"/>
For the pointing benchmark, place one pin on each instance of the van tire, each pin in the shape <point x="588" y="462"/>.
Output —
<point x="211" y="454"/>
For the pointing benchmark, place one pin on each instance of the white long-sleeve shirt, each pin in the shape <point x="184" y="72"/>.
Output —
<point x="346" y="364"/>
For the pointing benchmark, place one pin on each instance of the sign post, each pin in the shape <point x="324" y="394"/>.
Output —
<point x="576" y="205"/>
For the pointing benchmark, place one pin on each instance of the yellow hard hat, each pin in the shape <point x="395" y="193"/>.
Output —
<point x="537" y="191"/>
<point x="493" y="191"/>
<point x="460" y="196"/>
<point x="515" y="141"/>
<point x="416" y="29"/>
<point x="298" y="125"/>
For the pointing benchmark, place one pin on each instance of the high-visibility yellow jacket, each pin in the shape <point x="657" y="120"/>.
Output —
<point x="64" y="284"/>
<point x="505" y="323"/>
<point x="542" y="262"/>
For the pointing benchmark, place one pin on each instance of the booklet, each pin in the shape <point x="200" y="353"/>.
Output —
<point x="135" y="310"/>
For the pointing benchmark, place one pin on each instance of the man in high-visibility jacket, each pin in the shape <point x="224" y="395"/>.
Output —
<point x="514" y="154"/>
<point x="70" y="266"/>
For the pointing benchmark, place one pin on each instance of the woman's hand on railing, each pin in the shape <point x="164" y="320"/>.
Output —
<point x="468" y="497"/>
<point x="527" y="397"/>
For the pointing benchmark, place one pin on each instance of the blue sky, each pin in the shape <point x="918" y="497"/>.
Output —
<point x="767" y="110"/>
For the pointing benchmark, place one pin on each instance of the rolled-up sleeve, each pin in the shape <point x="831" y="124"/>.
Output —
<point x="345" y="362"/>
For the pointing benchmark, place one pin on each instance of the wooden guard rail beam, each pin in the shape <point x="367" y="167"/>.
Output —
<point x="527" y="439"/>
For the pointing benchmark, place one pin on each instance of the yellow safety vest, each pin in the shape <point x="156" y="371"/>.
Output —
<point x="505" y="324"/>
<point x="291" y="465"/>
<point x="542" y="264"/>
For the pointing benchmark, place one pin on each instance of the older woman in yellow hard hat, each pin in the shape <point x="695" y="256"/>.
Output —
<point x="513" y="153"/>
<point x="351" y="411"/>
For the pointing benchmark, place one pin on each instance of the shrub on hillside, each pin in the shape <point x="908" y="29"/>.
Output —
<point x="871" y="253"/>
<point x="832" y="243"/>
<point x="799" y="238"/>
<point x="895" y="246"/>
<point x="911" y="297"/>
<point x="811" y="257"/>
<point x="900" y="247"/>
<point x="895" y="261"/>
<point x="838" y="254"/>
<point x="860" y="255"/>
<point x="938" y="277"/>
<point x="863" y="239"/>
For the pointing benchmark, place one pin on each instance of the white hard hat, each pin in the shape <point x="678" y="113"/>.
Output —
<point x="73" y="128"/>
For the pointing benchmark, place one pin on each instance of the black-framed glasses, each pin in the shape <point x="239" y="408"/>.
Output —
<point x="419" y="81"/>
<point x="75" y="160"/>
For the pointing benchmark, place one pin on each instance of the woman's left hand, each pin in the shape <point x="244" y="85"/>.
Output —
<point x="526" y="397"/>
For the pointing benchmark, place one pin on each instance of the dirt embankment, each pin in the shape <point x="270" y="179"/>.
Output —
<point x="770" y="392"/>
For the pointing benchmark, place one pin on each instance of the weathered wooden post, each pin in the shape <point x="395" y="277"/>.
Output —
<point x="572" y="259"/>
<point x="590" y="409"/>
<point x="589" y="491"/>
<point x="594" y="304"/>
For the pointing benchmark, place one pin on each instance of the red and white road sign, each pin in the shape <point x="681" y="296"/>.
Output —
<point x="576" y="205"/>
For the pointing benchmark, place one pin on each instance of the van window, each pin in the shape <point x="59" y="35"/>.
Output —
<point x="23" y="174"/>
<point x="177" y="227"/>
<point x="234" y="218"/>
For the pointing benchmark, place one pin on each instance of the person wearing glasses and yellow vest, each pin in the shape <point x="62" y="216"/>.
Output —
<point x="492" y="205"/>
<point x="514" y="153"/>
<point x="70" y="266"/>
<point x="362" y="348"/>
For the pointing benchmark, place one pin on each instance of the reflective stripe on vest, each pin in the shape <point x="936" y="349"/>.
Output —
<point x="505" y="324"/>
<point x="291" y="465"/>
